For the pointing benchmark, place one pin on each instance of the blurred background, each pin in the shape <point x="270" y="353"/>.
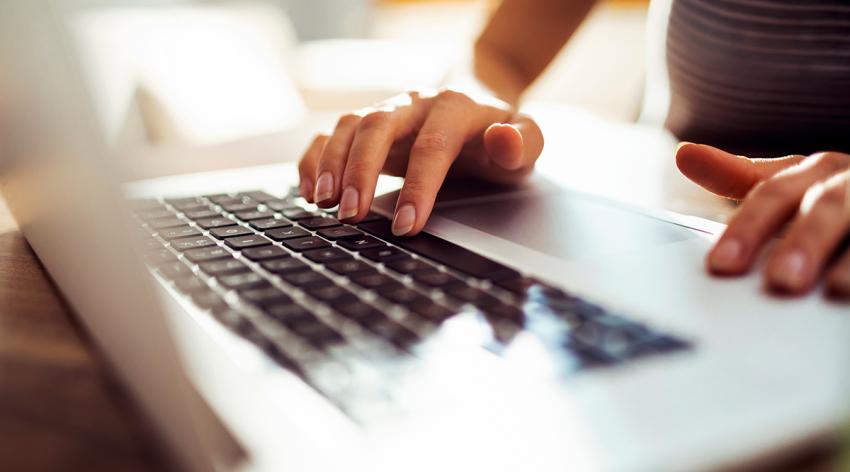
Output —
<point x="196" y="73"/>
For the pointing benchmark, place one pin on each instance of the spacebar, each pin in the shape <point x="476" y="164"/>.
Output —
<point x="442" y="251"/>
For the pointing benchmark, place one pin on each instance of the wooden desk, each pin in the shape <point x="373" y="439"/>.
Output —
<point x="60" y="409"/>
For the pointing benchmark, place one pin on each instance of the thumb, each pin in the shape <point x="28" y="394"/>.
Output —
<point x="726" y="174"/>
<point x="513" y="145"/>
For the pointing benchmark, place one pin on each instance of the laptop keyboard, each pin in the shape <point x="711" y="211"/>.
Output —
<point x="305" y="287"/>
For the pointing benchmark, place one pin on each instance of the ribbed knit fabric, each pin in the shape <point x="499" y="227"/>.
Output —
<point x="764" y="77"/>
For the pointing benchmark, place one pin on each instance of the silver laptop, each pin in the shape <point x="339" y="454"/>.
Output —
<point x="532" y="329"/>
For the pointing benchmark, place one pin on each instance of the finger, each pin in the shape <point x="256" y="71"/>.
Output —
<point x="768" y="206"/>
<point x="332" y="161"/>
<point x="514" y="145"/>
<point x="812" y="239"/>
<point x="726" y="174"/>
<point x="452" y="120"/>
<point x="375" y="135"/>
<point x="838" y="278"/>
<point x="307" y="166"/>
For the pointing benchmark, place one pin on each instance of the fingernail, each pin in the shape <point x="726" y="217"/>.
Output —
<point x="791" y="270"/>
<point x="349" y="204"/>
<point x="404" y="220"/>
<point x="727" y="255"/>
<point x="307" y="189"/>
<point x="324" y="187"/>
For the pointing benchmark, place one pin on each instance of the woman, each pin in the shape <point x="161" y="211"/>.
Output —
<point x="761" y="77"/>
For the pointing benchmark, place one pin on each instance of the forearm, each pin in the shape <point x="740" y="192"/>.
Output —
<point x="521" y="39"/>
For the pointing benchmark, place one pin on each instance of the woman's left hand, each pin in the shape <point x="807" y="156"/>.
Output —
<point x="809" y="193"/>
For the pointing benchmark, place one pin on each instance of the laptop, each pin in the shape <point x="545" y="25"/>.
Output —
<point x="530" y="329"/>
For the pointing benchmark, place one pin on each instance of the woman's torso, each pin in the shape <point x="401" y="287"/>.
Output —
<point x="760" y="76"/>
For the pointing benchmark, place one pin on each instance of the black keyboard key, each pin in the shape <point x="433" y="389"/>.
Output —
<point x="192" y="243"/>
<point x="155" y="214"/>
<point x="327" y="255"/>
<point x="281" y="205"/>
<point x="190" y="284"/>
<point x="394" y="333"/>
<point x="179" y="232"/>
<point x="188" y="204"/>
<point x="360" y="312"/>
<point x="518" y="285"/>
<point x="431" y="310"/>
<point x="238" y="206"/>
<point x="472" y="295"/>
<point x="289" y="314"/>
<point x="264" y="253"/>
<point x="223" y="267"/>
<point x="208" y="300"/>
<point x="244" y="242"/>
<point x="215" y="222"/>
<point x="230" y="231"/>
<point x="202" y="214"/>
<point x="360" y="243"/>
<point x="266" y="296"/>
<point x="442" y="251"/>
<point x="282" y="234"/>
<point x="376" y="281"/>
<point x="319" y="222"/>
<point x="339" y="232"/>
<point x="436" y="279"/>
<point x="281" y="266"/>
<point x="503" y="311"/>
<point x="298" y="214"/>
<point x="164" y="223"/>
<point x="404" y="296"/>
<point x="270" y="223"/>
<point x="332" y="294"/>
<point x="305" y="244"/>
<point x="317" y="333"/>
<point x="306" y="279"/>
<point x="242" y="281"/>
<point x="254" y="215"/>
<point x="257" y="195"/>
<point x="174" y="270"/>
<point x="350" y="267"/>
<point x="232" y="319"/>
<point x="207" y="254"/>
<point x="409" y="265"/>
<point x="220" y="198"/>
<point x="384" y="255"/>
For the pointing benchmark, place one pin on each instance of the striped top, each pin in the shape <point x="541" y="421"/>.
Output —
<point x="761" y="77"/>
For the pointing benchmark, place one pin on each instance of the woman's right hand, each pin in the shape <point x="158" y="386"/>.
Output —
<point x="424" y="137"/>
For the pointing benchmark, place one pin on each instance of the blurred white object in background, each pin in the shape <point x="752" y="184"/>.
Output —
<point x="324" y="19"/>
<point x="343" y="74"/>
<point x="198" y="75"/>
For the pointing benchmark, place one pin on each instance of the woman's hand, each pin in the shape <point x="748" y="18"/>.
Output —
<point x="809" y="193"/>
<point x="423" y="137"/>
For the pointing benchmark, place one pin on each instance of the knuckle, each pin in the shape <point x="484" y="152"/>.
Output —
<point x="832" y="197"/>
<point x="453" y="96"/>
<point x="771" y="189"/>
<point x="830" y="161"/>
<point x="376" y="120"/>
<point x="348" y="120"/>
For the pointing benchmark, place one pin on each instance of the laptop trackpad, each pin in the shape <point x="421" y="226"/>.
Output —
<point x="562" y="224"/>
